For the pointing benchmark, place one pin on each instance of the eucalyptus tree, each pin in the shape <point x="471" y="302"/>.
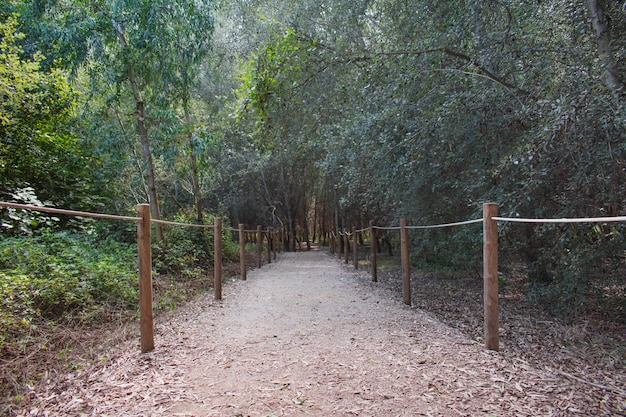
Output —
<point x="148" y="51"/>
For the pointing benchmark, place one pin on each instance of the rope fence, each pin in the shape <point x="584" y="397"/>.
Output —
<point x="168" y="223"/>
<point x="67" y="212"/>
<point x="489" y="220"/>
<point x="339" y="242"/>
<point x="144" y="251"/>
<point x="563" y="220"/>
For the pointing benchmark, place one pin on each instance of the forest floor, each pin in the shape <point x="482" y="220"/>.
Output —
<point x="308" y="335"/>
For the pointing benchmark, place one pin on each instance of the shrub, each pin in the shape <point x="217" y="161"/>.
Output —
<point x="58" y="276"/>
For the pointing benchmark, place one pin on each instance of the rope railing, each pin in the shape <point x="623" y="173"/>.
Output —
<point x="169" y="223"/>
<point x="563" y="220"/>
<point x="144" y="248"/>
<point x="386" y="227"/>
<point x="440" y="226"/>
<point x="67" y="212"/>
<point x="490" y="221"/>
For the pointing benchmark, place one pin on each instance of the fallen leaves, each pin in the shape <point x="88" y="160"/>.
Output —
<point x="357" y="360"/>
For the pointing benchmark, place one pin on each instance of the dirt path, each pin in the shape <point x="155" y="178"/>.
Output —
<point x="307" y="336"/>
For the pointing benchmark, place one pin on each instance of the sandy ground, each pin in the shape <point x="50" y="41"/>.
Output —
<point x="308" y="336"/>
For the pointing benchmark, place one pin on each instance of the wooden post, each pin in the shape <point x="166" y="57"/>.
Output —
<point x="346" y="246"/>
<point x="406" y="262"/>
<point x="269" y="245"/>
<point x="341" y="244"/>
<point x="146" y="322"/>
<point x="355" y="249"/>
<point x="490" y="275"/>
<point x="373" y="251"/>
<point x="217" y="258"/>
<point x="242" y="252"/>
<point x="259" y="246"/>
<point x="332" y="243"/>
<point x="274" y="241"/>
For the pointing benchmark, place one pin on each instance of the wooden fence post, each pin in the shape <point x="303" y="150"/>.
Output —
<point x="340" y="245"/>
<point x="242" y="252"/>
<point x="269" y="245"/>
<point x="346" y="244"/>
<point x="406" y="262"/>
<point x="490" y="275"/>
<point x="146" y="321"/>
<point x="217" y="258"/>
<point x="259" y="246"/>
<point x="274" y="241"/>
<point x="373" y="251"/>
<point x="355" y="249"/>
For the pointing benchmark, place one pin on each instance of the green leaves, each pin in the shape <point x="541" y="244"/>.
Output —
<point x="37" y="151"/>
<point x="55" y="276"/>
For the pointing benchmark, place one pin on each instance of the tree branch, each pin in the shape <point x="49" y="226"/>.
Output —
<point x="455" y="54"/>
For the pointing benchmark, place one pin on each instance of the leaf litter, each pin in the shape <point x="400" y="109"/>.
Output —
<point x="322" y="342"/>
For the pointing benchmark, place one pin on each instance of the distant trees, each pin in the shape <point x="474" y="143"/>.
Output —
<point x="312" y="114"/>
<point x="426" y="110"/>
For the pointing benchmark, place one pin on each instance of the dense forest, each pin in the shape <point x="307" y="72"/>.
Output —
<point x="312" y="116"/>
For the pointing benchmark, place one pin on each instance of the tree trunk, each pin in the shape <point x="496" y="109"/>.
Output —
<point x="193" y="160"/>
<point x="600" y="24"/>
<point x="144" y="140"/>
<point x="149" y="170"/>
<point x="306" y="233"/>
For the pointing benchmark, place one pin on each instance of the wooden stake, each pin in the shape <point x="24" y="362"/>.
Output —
<point x="259" y="246"/>
<point x="242" y="252"/>
<point x="269" y="245"/>
<point x="406" y="262"/>
<point x="274" y="241"/>
<point x="355" y="249"/>
<point x="373" y="251"/>
<point x="340" y="245"/>
<point x="146" y="322"/>
<point x="490" y="270"/>
<point x="346" y="247"/>
<point x="217" y="251"/>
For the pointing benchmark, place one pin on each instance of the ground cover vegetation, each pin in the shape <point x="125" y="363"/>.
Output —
<point x="308" y="116"/>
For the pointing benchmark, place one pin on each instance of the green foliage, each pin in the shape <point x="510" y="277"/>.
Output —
<point x="448" y="249"/>
<point x="63" y="276"/>
<point x="343" y="112"/>
<point x="17" y="306"/>
<point x="274" y="72"/>
<point x="425" y="111"/>
<point x="39" y="158"/>
<point x="186" y="249"/>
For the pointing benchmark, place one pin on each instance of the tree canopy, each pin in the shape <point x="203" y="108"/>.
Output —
<point x="317" y="115"/>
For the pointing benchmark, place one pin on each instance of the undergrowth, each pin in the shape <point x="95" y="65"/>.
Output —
<point x="58" y="287"/>
<point x="61" y="277"/>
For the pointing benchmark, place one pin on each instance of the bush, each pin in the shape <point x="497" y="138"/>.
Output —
<point x="449" y="249"/>
<point x="570" y="267"/>
<point x="186" y="248"/>
<point x="58" y="276"/>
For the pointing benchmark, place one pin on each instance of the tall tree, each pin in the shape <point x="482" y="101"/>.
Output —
<point x="153" y="47"/>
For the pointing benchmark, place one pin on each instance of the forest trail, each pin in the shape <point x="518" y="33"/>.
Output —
<point x="307" y="336"/>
